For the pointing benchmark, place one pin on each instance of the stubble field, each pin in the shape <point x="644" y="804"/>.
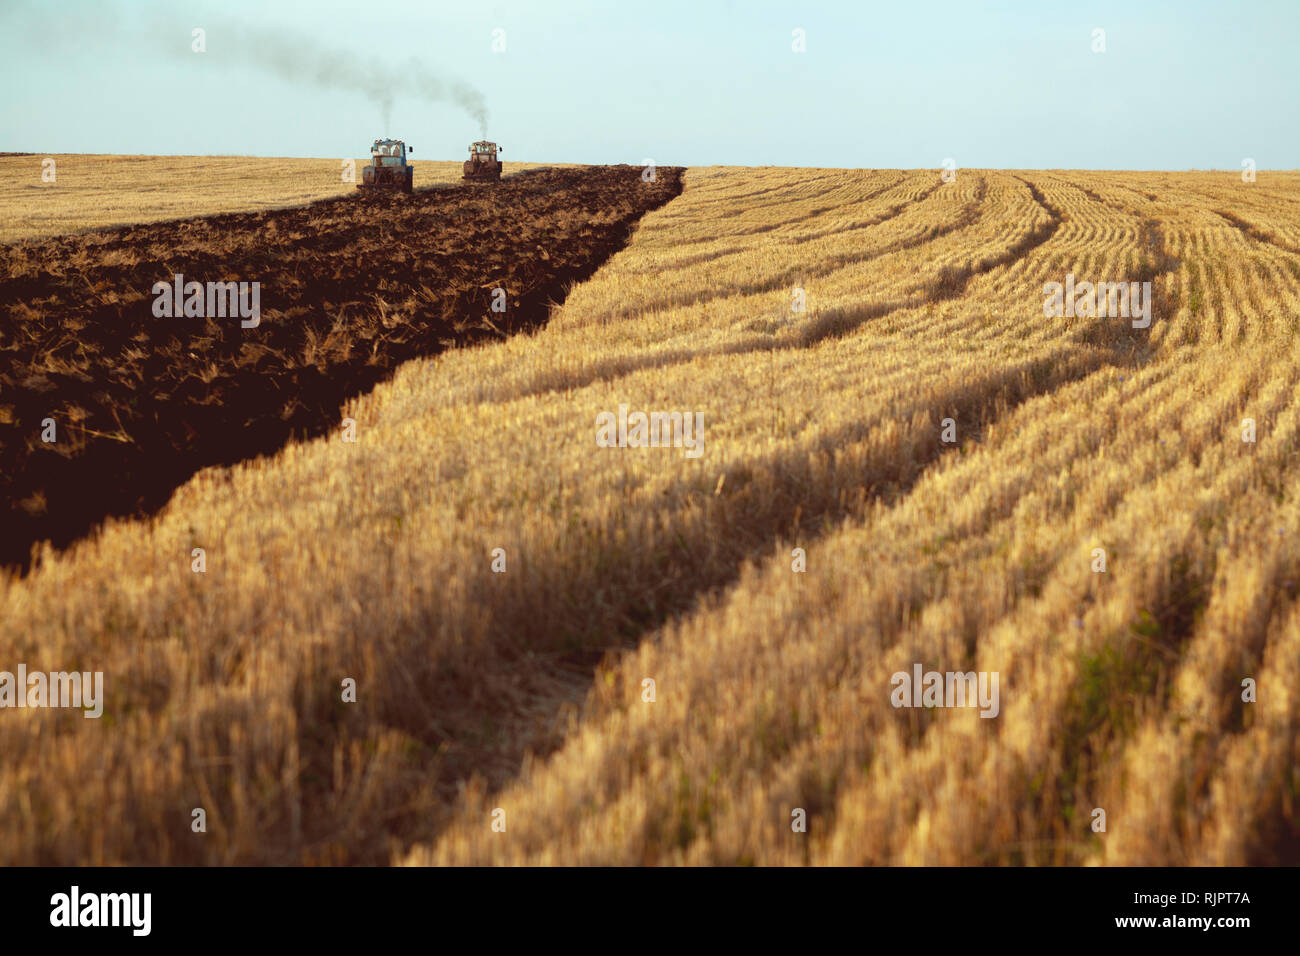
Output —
<point x="523" y="691"/>
<point x="97" y="192"/>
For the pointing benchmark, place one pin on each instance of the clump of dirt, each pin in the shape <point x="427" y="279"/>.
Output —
<point x="348" y="289"/>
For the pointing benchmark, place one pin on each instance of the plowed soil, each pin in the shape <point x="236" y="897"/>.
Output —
<point x="350" y="288"/>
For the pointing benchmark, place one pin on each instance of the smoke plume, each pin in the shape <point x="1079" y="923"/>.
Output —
<point x="299" y="59"/>
<point x="143" y="31"/>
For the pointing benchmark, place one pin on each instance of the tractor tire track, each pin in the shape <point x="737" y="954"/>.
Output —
<point x="1251" y="231"/>
<point x="831" y="265"/>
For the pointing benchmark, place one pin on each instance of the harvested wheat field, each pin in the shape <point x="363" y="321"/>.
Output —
<point x="922" y="469"/>
<point x="47" y="195"/>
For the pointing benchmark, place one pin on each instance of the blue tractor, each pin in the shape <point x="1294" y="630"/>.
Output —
<point x="388" y="168"/>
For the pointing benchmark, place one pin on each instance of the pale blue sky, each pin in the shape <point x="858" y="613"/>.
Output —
<point x="905" y="84"/>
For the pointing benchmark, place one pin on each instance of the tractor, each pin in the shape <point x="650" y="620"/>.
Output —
<point x="388" y="168"/>
<point x="483" y="164"/>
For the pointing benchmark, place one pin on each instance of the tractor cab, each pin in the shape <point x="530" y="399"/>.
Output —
<point x="388" y="152"/>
